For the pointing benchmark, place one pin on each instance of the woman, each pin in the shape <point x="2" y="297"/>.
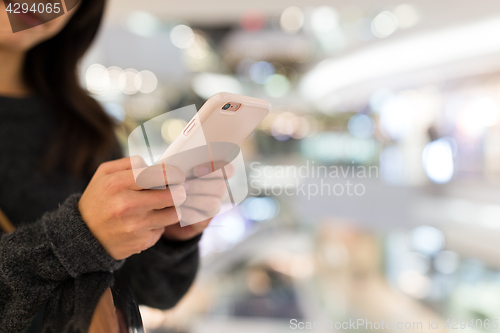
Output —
<point x="55" y="143"/>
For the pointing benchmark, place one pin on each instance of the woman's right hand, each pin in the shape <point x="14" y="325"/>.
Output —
<point x="125" y="218"/>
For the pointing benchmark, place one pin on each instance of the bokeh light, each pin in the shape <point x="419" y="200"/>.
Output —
<point x="302" y="127"/>
<point x="253" y="20"/>
<point x="478" y="114"/>
<point x="282" y="129"/>
<point x="384" y="24"/>
<point x="130" y="81"/>
<point x="148" y="82"/>
<point x="260" y="71"/>
<point x="277" y="85"/>
<point x="171" y="128"/>
<point x="437" y="159"/>
<point x="199" y="49"/>
<point x="115" y="84"/>
<point x="407" y="15"/>
<point x="396" y="117"/>
<point x="143" y="23"/>
<point x="427" y="240"/>
<point x="182" y="36"/>
<point x="324" y="19"/>
<point x="361" y="126"/>
<point x="232" y="228"/>
<point x="97" y="79"/>
<point x="260" y="209"/>
<point x="292" y="20"/>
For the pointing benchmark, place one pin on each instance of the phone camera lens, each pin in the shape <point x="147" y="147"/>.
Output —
<point x="225" y="107"/>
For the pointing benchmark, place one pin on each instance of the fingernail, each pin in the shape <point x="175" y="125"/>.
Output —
<point x="201" y="171"/>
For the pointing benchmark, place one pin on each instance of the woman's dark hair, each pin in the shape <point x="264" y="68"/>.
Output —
<point x="85" y="135"/>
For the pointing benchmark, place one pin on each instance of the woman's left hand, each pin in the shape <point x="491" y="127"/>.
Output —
<point x="204" y="196"/>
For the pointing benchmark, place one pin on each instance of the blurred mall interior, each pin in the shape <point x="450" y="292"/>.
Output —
<point x="384" y="131"/>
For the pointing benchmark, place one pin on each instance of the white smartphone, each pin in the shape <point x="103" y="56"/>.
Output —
<point x="225" y="119"/>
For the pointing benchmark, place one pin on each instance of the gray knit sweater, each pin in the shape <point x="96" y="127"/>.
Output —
<point x="53" y="258"/>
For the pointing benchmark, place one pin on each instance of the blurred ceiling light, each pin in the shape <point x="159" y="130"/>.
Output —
<point x="252" y="20"/>
<point x="260" y="71"/>
<point x="407" y="15"/>
<point x="207" y="84"/>
<point x="437" y="160"/>
<point x="384" y="24"/>
<point x="391" y="58"/>
<point x="292" y="20"/>
<point x="182" y="36"/>
<point x="361" y="126"/>
<point x="130" y="81"/>
<point x="324" y="19"/>
<point x="171" y="128"/>
<point x="148" y="83"/>
<point x="427" y="240"/>
<point x="97" y="79"/>
<point x="277" y="85"/>
<point x="143" y="23"/>
<point x="477" y="115"/>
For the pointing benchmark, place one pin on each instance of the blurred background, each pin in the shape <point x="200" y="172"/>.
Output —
<point x="407" y="91"/>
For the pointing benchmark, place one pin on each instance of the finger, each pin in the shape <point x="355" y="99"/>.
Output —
<point x="121" y="164"/>
<point x="177" y="232"/>
<point x="215" y="187"/>
<point x="123" y="180"/>
<point x="154" y="236"/>
<point x="208" y="170"/>
<point x="163" y="218"/>
<point x="158" y="175"/>
<point x="190" y="216"/>
<point x="172" y="195"/>
<point x="206" y="204"/>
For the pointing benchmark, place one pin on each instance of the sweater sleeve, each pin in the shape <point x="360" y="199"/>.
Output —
<point x="37" y="257"/>
<point x="161" y="275"/>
